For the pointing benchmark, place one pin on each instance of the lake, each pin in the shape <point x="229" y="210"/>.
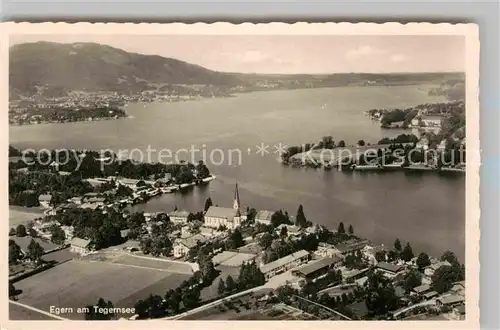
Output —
<point x="428" y="210"/>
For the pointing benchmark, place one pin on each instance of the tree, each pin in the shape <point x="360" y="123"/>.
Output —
<point x="57" y="234"/>
<point x="423" y="261"/>
<point x="12" y="232"/>
<point x="12" y="291"/>
<point x="283" y="232"/>
<point x="208" y="203"/>
<point x="101" y="312"/>
<point x="380" y="256"/>
<point x="341" y="229"/>
<point x="412" y="280"/>
<point x="222" y="287"/>
<point x="341" y="144"/>
<point x="237" y="238"/>
<point x="407" y="253"/>
<point x="381" y="296"/>
<point x="443" y="279"/>
<point x="300" y="219"/>
<point x="21" y="231"/>
<point x="230" y="284"/>
<point x="350" y="230"/>
<point x="361" y="143"/>
<point x="14" y="252"/>
<point x="397" y="245"/>
<point x="450" y="257"/>
<point x="265" y="240"/>
<point x="35" y="251"/>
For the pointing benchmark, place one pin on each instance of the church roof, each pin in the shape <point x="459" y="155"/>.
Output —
<point x="221" y="212"/>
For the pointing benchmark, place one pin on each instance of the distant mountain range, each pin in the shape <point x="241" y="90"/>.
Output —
<point x="59" y="68"/>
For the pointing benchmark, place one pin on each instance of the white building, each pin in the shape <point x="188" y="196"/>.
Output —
<point x="178" y="216"/>
<point x="182" y="246"/>
<point x="264" y="217"/>
<point x="429" y="271"/>
<point x="80" y="246"/>
<point x="284" y="264"/>
<point x="431" y="121"/>
<point x="230" y="218"/>
<point x="326" y="250"/>
<point x="44" y="200"/>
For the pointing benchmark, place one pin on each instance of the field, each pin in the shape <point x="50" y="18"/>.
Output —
<point x="22" y="215"/>
<point x="17" y="312"/>
<point x="78" y="283"/>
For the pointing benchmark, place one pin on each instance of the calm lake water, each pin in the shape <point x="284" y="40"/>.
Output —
<point x="428" y="210"/>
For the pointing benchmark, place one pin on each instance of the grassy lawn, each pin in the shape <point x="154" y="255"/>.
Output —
<point x="22" y="215"/>
<point x="79" y="283"/>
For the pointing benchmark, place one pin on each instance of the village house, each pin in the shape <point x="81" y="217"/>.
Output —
<point x="316" y="268"/>
<point x="76" y="200"/>
<point x="415" y="122"/>
<point x="326" y="250"/>
<point x="458" y="288"/>
<point x="431" y="121"/>
<point x="450" y="300"/>
<point x="370" y="252"/>
<point x="290" y="229"/>
<point x="68" y="232"/>
<point x="80" y="246"/>
<point x="389" y="270"/>
<point x="178" y="216"/>
<point x="352" y="246"/>
<point x="421" y="289"/>
<point x="458" y="313"/>
<point x="183" y="245"/>
<point x="430" y="270"/>
<point x="284" y="264"/>
<point x="44" y="200"/>
<point x="264" y="217"/>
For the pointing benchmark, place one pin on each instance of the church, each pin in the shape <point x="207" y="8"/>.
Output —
<point x="230" y="218"/>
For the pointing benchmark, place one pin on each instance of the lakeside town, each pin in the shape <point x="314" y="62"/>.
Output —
<point x="220" y="262"/>
<point x="437" y="143"/>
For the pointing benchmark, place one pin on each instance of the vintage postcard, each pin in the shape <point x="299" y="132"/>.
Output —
<point x="324" y="172"/>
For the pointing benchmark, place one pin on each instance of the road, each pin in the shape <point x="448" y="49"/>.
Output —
<point x="424" y="303"/>
<point x="272" y="284"/>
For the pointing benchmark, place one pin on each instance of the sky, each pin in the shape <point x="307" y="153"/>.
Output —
<point x="288" y="54"/>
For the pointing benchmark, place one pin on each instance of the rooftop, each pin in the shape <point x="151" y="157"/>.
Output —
<point x="317" y="265"/>
<point x="264" y="215"/>
<point x="432" y="117"/>
<point x="430" y="294"/>
<point x="451" y="299"/>
<point x="283" y="261"/>
<point x="46" y="197"/>
<point x="191" y="241"/>
<point x="389" y="267"/>
<point x="179" y="214"/>
<point x="422" y="288"/>
<point x="80" y="242"/>
<point x="221" y="212"/>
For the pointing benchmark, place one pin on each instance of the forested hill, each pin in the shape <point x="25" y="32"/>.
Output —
<point x="95" y="67"/>
<point x="56" y="68"/>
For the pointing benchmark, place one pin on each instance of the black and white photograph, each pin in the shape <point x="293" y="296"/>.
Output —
<point x="242" y="176"/>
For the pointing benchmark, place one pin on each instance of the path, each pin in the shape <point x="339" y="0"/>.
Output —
<point x="406" y="309"/>
<point x="37" y="310"/>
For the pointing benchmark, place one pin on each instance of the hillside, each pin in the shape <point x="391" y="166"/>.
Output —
<point x="53" y="69"/>
<point x="95" y="67"/>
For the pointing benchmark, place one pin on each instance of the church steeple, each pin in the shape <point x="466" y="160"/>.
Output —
<point x="236" y="202"/>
